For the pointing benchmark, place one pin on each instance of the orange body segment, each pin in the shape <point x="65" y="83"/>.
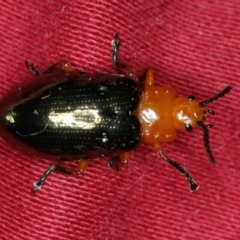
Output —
<point x="82" y="165"/>
<point x="155" y="112"/>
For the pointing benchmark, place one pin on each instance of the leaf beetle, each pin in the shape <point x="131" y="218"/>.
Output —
<point x="65" y="115"/>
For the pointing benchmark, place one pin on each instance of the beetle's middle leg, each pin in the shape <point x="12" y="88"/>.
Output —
<point x="115" y="62"/>
<point x="118" y="159"/>
<point x="61" y="66"/>
<point x="82" y="165"/>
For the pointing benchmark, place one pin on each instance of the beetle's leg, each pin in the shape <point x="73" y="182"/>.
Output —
<point x="115" y="62"/>
<point x="115" y="47"/>
<point x="37" y="185"/>
<point x="193" y="185"/>
<point x="148" y="77"/>
<point x="114" y="162"/>
<point x="82" y="165"/>
<point x="62" y="66"/>
<point x="124" y="158"/>
<point x="119" y="159"/>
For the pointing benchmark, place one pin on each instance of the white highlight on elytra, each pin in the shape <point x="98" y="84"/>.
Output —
<point x="80" y="118"/>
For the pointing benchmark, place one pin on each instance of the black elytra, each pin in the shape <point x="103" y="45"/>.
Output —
<point x="84" y="116"/>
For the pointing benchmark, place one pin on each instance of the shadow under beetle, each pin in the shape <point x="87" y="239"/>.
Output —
<point x="74" y="116"/>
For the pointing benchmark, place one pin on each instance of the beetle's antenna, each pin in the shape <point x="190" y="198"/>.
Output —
<point x="221" y="94"/>
<point x="193" y="185"/>
<point x="205" y="127"/>
<point x="206" y="140"/>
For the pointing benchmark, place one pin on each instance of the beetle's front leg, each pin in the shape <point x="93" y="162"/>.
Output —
<point x="82" y="165"/>
<point x="193" y="185"/>
<point x="62" y="66"/>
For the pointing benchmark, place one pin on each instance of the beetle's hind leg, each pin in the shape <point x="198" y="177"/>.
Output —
<point x="115" y="62"/>
<point x="82" y="165"/>
<point x="61" y="66"/>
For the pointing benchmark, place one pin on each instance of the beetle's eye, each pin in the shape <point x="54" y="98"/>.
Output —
<point x="209" y="125"/>
<point x="191" y="97"/>
<point x="188" y="127"/>
<point x="210" y="111"/>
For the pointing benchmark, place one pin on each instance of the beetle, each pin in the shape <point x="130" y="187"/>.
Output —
<point x="66" y="115"/>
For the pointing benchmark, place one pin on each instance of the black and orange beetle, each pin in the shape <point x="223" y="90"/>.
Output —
<point x="67" y="115"/>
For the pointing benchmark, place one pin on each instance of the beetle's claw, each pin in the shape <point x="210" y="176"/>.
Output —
<point x="37" y="185"/>
<point x="193" y="186"/>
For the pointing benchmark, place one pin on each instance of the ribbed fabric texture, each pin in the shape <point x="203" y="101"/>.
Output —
<point x="194" y="47"/>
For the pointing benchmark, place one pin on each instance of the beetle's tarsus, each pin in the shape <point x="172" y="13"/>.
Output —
<point x="115" y="46"/>
<point x="115" y="43"/>
<point x="31" y="68"/>
<point x="37" y="185"/>
<point x="114" y="162"/>
<point x="193" y="185"/>
<point x="115" y="62"/>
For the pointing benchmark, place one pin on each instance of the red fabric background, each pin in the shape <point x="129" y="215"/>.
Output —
<point x="193" y="46"/>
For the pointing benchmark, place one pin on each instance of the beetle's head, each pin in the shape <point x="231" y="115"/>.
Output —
<point x="189" y="113"/>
